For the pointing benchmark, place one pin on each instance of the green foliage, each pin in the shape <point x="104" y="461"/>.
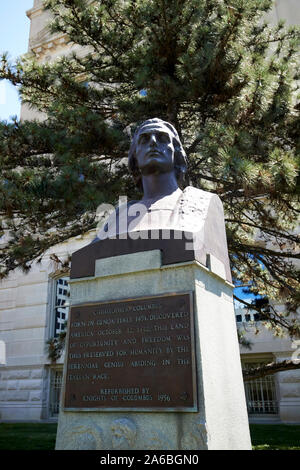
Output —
<point x="39" y="436"/>
<point x="275" y="437"/>
<point x="55" y="346"/>
<point x="226" y="80"/>
<point x="27" y="436"/>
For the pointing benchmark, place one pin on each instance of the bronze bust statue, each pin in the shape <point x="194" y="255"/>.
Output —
<point x="158" y="164"/>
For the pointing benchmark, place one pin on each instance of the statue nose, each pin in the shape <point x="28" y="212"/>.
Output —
<point x="153" y="140"/>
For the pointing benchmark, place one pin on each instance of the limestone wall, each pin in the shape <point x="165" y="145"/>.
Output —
<point x="25" y="325"/>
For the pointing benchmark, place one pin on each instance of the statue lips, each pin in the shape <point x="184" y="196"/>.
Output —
<point x="154" y="153"/>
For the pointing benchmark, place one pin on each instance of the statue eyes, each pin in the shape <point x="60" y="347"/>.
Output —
<point x="143" y="139"/>
<point x="161" y="137"/>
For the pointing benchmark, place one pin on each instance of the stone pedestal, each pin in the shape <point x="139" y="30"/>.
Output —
<point x="219" y="420"/>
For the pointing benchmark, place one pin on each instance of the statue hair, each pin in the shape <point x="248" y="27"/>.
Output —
<point x="180" y="158"/>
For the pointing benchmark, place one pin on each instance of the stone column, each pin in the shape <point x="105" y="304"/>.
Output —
<point x="220" y="419"/>
<point x="289" y="391"/>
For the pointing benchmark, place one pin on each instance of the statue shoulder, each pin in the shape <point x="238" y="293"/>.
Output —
<point x="195" y="196"/>
<point x="120" y="208"/>
<point x="190" y="191"/>
<point x="198" y="201"/>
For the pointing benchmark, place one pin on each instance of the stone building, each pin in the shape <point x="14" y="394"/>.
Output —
<point x="34" y="307"/>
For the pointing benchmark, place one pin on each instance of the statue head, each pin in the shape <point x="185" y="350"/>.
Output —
<point x="163" y="128"/>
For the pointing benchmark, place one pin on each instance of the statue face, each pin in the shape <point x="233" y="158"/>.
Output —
<point x="155" y="150"/>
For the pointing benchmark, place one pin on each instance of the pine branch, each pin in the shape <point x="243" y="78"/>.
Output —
<point x="269" y="369"/>
<point x="263" y="229"/>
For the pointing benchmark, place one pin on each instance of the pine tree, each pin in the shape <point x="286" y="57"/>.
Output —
<point x="217" y="71"/>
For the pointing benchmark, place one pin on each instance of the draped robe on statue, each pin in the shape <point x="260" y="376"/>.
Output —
<point x="196" y="213"/>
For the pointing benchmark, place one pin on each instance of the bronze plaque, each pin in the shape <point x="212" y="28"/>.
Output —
<point x="134" y="354"/>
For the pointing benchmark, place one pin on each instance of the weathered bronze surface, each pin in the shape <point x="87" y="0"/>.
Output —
<point x="135" y="354"/>
<point x="173" y="249"/>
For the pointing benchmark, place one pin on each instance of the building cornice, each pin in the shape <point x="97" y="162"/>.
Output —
<point x="35" y="11"/>
<point x="41" y="47"/>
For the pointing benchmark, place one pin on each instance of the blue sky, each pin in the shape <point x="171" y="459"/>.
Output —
<point x="14" y="36"/>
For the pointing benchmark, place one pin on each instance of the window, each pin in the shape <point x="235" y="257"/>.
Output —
<point x="61" y="304"/>
<point x="261" y="394"/>
<point x="56" y="377"/>
<point x="247" y="316"/>
<point x="59" y="309"/>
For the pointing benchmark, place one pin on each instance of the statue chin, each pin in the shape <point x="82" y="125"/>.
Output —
<point x="156" y="166"/>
